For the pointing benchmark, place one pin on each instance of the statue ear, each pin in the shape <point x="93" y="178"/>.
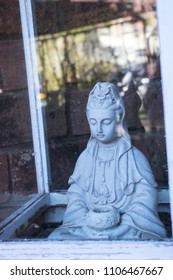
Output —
<point x="118" y="118"/>
<point x="119" y="115"/>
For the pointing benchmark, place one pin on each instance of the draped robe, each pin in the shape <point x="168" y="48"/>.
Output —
<point x="133" y="193"/>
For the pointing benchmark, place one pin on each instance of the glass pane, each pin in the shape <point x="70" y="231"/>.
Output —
<point x="82" y="42"/>
<point x="17" y="164"/>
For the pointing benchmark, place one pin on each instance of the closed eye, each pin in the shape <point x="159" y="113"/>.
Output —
<point x="92" y="121"/>
<point x="106" y="121"/>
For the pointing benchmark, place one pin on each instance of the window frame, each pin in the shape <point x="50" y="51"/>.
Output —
<point x="37" y="121"/>
<point x="89" y="249"/>
<point x="165" y="20"/>
<point x="41" y="198"/>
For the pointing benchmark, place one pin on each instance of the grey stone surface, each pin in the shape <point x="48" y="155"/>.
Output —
<point x="113" y="193"/>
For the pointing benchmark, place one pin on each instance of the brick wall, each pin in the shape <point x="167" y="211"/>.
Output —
<point x="66" y="123"/>
<point x="17" y="167"/>
<point x="16" y="160"/>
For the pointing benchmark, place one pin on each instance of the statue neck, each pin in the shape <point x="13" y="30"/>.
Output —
<point x="108" y="145"/>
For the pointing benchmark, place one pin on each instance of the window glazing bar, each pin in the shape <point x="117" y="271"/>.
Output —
<point x="165" y="23"/>
<point x="37" y="120"/>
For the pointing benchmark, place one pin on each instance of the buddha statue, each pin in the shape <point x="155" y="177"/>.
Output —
<point x="112" y="193"/>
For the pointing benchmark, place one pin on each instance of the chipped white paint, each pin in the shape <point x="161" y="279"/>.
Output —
<point x="80" y="250"/>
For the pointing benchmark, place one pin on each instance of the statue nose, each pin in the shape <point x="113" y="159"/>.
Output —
<point x="99" y="128"/>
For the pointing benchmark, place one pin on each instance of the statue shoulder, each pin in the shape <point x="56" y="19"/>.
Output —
<point x="83" y="168"/>
<point x="82" y="157"/>
<point x="138" y="153"/>
<point x="143" y="165"/>
<point x="140" y="158"/>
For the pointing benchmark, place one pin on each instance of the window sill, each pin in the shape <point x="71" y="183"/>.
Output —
<point x="82" y="250"/>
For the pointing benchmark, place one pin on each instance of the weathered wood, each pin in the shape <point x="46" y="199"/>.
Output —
<point x="80" y="250"/>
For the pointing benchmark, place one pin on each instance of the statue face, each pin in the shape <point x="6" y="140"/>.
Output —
<point x="102" y="125"/>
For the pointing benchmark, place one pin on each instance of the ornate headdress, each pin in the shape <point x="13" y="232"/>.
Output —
<point x="105" y="96"/>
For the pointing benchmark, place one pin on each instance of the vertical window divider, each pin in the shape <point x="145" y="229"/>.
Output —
<point x="165" y="22"/>
<point x="37" y="120"/>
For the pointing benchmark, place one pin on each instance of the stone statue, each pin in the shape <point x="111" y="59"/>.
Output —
<point x="112" y="192"/>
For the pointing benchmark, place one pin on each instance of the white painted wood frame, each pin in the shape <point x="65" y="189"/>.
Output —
<point x="165" y="23"/>
<point x="46" y="249"/>
<point x="37" y="120"/>
<point x="20" y="217"/>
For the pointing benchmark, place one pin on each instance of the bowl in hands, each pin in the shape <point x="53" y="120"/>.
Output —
<point x="102" y="217"/>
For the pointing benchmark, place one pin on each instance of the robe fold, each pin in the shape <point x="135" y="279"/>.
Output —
<point x="133" y="193"/>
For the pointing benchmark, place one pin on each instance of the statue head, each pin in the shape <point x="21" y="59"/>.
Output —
<point x="105" y="113"/>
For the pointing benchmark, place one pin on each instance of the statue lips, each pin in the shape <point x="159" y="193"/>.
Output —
<point x="100" y="135"/>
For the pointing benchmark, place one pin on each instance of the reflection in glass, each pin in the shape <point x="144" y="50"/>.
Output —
<point x="17" y="165"/>
<point x="82" y="42"/>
